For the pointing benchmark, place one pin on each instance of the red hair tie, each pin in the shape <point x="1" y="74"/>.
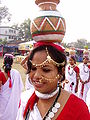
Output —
<point x="58" y="47"/>
<point x="8" y="73"/>
<point x="10" y="82"/>
<point x="32" y="100"/>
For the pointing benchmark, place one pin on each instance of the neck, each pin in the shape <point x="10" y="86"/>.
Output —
<point x="85" y="63"/>
<point x="47" y="96"/>
<point x="72" y="65"/>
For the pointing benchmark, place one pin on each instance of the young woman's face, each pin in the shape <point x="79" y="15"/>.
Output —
<point x="85" y="60"/>
<point x="43" y="78"/>
<point x="71" y="61"/>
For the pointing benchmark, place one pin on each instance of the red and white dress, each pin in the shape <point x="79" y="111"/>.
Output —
<point x="2" y="78"/>
<point x="84" y="77"/>
<point x="71" y="76"/>
<point x="10" y="97"/>
<point x="74" y="109"/>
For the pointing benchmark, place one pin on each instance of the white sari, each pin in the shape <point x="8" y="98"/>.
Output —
<point x="34" y="114"/>
<point x="71" y="79"/>
<point x="10" y="97"/>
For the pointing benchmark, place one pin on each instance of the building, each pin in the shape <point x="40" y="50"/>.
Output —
<point x="8" y="33"/>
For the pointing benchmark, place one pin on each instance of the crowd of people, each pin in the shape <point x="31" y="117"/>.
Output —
<point x="45" y="69"/>
<point x="47" y="94"/>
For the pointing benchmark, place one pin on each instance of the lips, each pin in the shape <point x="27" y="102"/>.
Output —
<point x="38" y="83"/>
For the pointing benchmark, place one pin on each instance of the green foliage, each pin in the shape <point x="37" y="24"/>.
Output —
<point x="3" y="41"/>
<point x="79" y="44"/>
<point x="4" y="13"/>
<point x="24" y="30"/>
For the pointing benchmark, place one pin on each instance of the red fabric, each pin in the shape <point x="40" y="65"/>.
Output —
<point x="76" y="69"/>
<point x="8" y="73"/>
<point x="89" y="66"/>
<point x="49" y="43"/>
<point x="75" y="109"/>
<point x="32" y="100"/>
<point x="71" y="86"/>
<point x="10" y="83"/>
<point x="19" y="103"/>
<point x="2" y="78"/>
<point x="82" y="89"/>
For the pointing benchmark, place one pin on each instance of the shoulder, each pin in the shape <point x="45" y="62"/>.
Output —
<point x="78" y="106"/>
<point x="67" y="66"/>
<point x="2" y="74"/>
<point x="76" y="101"/>
<point x="75" y="109"/>
<point x="76" y="69"/>
<point x="25" y="96"/>
<point x="14" y="71"/>
<point x="81" y="64"/>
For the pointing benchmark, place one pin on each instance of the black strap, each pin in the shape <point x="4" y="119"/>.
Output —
<point x="53" y="103"/>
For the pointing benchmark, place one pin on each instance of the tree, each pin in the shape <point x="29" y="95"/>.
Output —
<point x="4" y="13"/>
<point x="3" y="41"/>
<point x="79" y="44"/>
<point x="24" y="30"/>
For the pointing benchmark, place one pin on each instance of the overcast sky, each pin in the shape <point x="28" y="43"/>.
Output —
<point x="75" y="12"/>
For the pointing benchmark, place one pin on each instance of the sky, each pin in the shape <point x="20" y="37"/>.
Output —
<point x="75" y="12"/>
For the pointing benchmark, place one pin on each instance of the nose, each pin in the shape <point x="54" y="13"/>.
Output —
<point x="37" y="74"/>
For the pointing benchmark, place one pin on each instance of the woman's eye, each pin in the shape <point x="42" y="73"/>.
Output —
<point x="46" y="70"/>
<point x="33" y="68"/>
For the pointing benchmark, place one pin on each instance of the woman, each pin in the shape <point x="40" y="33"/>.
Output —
<point x="10" y="90"/>
<point x="84" y="83"/>
<point x="72" y="76"/>
<point x="48" y="100"/>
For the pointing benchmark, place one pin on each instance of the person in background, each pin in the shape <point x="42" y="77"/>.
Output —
<point x="11" y="89"/>
<point x="0" y="81"/>
<point x="84" y="83"/>
<point x="71" y="76"/>
<point x="28" y="84"/>
<point x="48" y="100"/>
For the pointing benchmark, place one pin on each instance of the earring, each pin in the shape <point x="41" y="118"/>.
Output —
<point x="60" y="80"/>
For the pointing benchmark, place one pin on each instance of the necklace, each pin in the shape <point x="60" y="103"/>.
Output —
<point x="53" y="109"/>
<point x="46" y="96"/>
<point x="84" y="68"/>
<point x="71" y="71"/>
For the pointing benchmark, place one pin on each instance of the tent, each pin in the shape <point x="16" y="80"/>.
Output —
<point x="26" y="45"/>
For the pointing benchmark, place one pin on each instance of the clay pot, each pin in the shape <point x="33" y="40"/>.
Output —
<point x="48" y="24"/>
<point x="47" y="4"/>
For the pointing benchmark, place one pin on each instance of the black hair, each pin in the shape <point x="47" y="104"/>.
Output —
<point x="74" y="58"/>
<point x="8" y="61"/>
<point x="85" y="57"/>
<point x="55" y="54"/>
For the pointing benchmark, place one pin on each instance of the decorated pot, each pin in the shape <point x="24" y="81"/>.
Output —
<point x="48" y="25"/>
<point x="72" y="51"/>
<point x="86" y="51"/>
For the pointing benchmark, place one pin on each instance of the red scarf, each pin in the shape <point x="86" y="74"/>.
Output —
<point x="58" y="47"/>
<point x="10" y="82"/>
<point x="82" y="89"/>
<point x="32" y="100"/>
